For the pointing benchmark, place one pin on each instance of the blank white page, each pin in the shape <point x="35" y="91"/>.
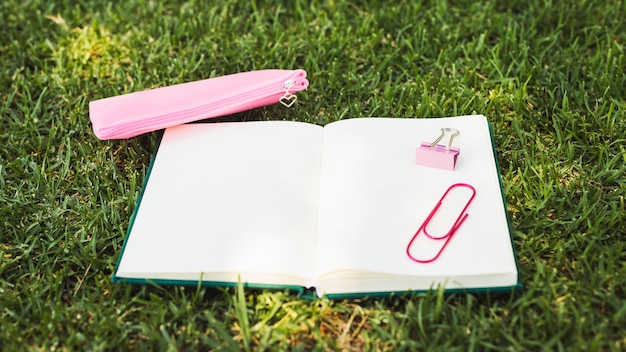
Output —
<point x="374" y="198"/>
<point x="235" y="197"/>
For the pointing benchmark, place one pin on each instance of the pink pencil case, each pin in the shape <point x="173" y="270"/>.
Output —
<point x="132" y="114"/>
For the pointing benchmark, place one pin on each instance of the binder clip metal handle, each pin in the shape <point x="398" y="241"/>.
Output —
<point x="436" y="155"/>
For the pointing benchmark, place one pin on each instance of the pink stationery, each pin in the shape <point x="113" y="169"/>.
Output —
<point x="132" y="114"/>
<point x="459" y="208"/>
<point x="437" y="155"/>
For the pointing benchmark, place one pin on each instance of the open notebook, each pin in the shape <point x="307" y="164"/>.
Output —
<point x="333" y="208"/>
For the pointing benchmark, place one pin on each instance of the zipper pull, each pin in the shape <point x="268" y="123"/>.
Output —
<point x="288" y="99"/>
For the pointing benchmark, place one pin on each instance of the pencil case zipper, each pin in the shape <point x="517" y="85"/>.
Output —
<point x="132" y="114"/>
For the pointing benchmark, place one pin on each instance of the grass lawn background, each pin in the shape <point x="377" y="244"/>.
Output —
<point x="550" y="77"/>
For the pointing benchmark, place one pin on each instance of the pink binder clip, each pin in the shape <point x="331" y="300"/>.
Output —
<point x="437" y="155"/>
<point x="429" y="241"/>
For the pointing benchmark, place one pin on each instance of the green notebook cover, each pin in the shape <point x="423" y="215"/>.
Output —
<point x="299" y="289"/>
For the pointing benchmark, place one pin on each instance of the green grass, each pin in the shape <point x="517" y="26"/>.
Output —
<point x="549" y="75"/>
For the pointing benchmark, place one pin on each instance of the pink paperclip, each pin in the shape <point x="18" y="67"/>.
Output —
<point x="437" y="155"/>
<point x="448" y="235"/>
